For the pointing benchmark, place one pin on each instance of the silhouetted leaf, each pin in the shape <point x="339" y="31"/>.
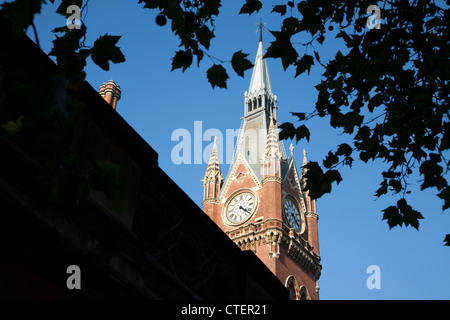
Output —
<point x="344" y="149"/>
<point x="20" y="14"/>
<point x="182" y="60"/>
<point x="383" y="188"/>
<point x="62" y="9"/>
<point x="240" y="63"/>
<point x="204" y="36"/>
<point x="447" y="240"/>
<point x="217" y="76"/>
<point x="300" y="115"/>
<point x="105" y="50"/>
<point x="402" y="214"/>
<point x="393" y="217"/>
<point x="281" y="9"/>
<point x="282" y="48"/>
<point x="330" y="160"/>
<point x="304" y="64"/>
<point x="445" y="195"/>
<point x="251" y="6"/>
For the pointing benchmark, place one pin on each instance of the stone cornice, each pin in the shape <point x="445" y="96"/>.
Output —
<point x="273" y="231"/>
<point x="271" y="178"/>
<point x="210" y="200"/>
<point x="313" y="215"/>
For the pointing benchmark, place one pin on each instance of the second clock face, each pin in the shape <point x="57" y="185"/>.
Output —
<point x="240" y="207"/>
<point x="292" y="214"/>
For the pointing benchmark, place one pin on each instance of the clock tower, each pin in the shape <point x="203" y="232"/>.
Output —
<point x="261" y="204"/>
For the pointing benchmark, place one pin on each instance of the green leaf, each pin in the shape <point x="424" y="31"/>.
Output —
<point x="240" y="63"/>
<point x="182" y="59"/>
<point x="13" y="127"/>
<point x="217" y="76"/>
<point x="304" y="64"/>
<point x="105" y="50"/>
<point x="251" y="6"/>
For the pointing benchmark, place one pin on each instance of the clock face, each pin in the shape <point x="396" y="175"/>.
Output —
<point x="240" y="208"/>
<point x="292" y="214"/>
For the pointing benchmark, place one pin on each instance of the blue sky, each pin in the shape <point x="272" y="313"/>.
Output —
<point x="156" y="102"/>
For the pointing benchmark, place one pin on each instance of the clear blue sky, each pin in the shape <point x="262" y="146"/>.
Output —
<point x="156" y="102"/>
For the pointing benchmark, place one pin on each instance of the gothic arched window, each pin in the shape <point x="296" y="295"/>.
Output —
<point x="303" y="293"/>
<point x="291" y="285"/>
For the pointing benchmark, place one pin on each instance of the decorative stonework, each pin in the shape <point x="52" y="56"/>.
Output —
<point x="240" y="177"/>
<point x="293" y="185"/>
<point x="210" y="200"/>
<point x="311" y="214"/>
<point x="272" y="232"/>
<point x="271" y="178"/>
<point x="233" y="173"/>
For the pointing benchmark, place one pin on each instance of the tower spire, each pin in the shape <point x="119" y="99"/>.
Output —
<point x="260" y="76"/>
<point x="272" y="151"/>
<point x="213" y="177"/>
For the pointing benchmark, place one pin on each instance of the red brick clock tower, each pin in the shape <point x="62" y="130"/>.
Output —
<point x="261" y="204"/>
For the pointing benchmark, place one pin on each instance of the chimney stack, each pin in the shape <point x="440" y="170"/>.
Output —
<point x="110" y="91"/>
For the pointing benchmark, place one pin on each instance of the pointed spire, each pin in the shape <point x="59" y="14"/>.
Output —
<point x="213" y="168"/>
<point x="304" y="170"/>
<point x="272" y="150"/>
<point x="291" y="148"/>
<point x="260" y="76"/>
<point x="213" y="177"/>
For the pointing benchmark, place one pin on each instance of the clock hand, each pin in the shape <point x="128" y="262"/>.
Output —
<point x="242" y="208"/>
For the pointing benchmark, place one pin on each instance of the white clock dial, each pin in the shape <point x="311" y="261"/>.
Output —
<point x="292" y="214"/>
<point x="240" y="208"/>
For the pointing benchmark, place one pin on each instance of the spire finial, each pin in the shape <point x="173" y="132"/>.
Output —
<point x="271" y="119"/>
<point x="260" y="25"/>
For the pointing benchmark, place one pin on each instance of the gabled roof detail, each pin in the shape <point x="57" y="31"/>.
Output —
<point x="232" y="173"/>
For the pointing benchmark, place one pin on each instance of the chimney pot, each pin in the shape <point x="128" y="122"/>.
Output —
<point x="111" y="92"/>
